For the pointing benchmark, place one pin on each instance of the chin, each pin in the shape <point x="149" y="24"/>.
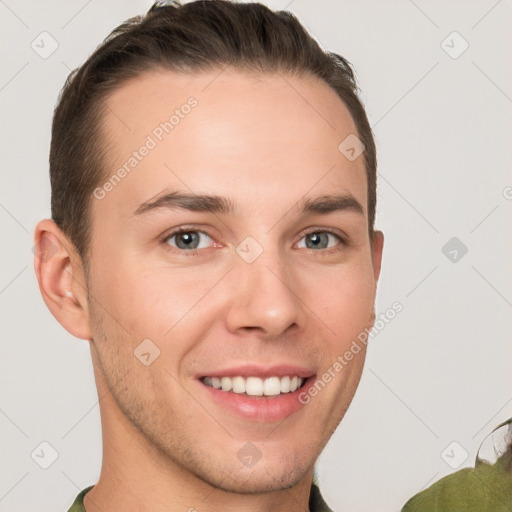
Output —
<point x="260" y="481"/>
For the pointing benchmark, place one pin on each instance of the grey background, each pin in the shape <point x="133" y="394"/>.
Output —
<point x="438" y="373"/>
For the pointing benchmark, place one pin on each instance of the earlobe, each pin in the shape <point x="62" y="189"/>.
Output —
<point x="61" y="279"/>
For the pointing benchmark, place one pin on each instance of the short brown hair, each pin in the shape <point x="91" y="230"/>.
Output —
<point x="198" y="36"/>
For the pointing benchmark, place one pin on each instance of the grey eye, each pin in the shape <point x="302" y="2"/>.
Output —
<point x="319" y="239"/>
<point x="187" y="240"/>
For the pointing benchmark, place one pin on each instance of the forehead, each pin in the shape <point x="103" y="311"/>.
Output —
<point x="260" y="136"/>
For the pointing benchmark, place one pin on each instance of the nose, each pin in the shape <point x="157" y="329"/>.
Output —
<point x="264" y="297"/>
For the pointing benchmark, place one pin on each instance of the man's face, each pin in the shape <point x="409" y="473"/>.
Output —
<point x="297" y="292"/>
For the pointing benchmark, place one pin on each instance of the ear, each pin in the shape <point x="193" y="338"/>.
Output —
<point x="377" y="244"/>
<point x="61" y="278"/>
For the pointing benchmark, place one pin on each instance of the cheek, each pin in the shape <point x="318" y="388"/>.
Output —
<point x="148" y="301"/>
<point x="346" y="300"/>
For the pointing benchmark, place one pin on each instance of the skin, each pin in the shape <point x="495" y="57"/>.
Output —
<point x="264" y="141"/>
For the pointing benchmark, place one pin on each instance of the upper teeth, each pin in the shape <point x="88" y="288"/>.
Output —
<point x="255" y="386"/>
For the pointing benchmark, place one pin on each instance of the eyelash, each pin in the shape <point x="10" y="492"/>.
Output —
<point x="195" y="252"/>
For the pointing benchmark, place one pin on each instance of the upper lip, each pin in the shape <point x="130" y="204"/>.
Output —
<point x="251" y="370"/>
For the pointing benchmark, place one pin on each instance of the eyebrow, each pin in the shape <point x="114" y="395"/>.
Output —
<point x="321" y="205"/>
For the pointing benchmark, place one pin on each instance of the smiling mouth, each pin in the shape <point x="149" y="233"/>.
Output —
<point x="255" y="386"/>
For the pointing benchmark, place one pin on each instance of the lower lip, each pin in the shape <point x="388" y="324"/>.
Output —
<point x="260" y="409"/>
